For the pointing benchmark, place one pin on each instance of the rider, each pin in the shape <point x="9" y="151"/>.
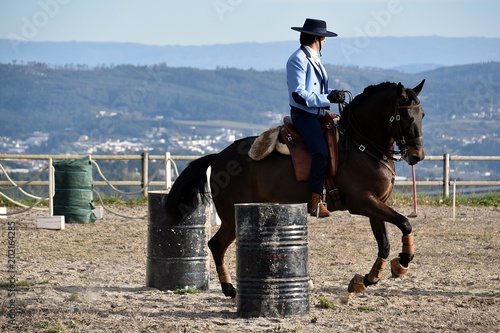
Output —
<point x="310" y="100"/>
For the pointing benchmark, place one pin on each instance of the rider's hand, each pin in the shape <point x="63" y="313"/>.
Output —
<point x="336" y="96"/>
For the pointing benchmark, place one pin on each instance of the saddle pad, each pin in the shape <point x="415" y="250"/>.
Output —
<point x="264" y="144"/>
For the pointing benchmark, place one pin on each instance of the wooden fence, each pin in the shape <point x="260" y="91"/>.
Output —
<point x="169" y="161"/>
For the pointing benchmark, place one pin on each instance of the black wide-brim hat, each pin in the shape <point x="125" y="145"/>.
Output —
<point x="316" y="28"/>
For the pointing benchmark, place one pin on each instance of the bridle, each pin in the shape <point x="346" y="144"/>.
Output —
<point x="399" y="138"/>
<point x="370" y="147"/>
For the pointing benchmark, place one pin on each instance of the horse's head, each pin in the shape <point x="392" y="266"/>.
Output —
<point x="406" y="124"/>
<point x="385" y="114"/>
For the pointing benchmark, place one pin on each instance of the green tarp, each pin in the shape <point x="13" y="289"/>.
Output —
<point x="73" y="190"/>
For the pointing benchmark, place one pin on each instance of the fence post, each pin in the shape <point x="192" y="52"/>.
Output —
<point x="168" y="171"/>
<point x="145" y="172"/>
<point x="51" y="188"/>
<point x="446" y="176"/>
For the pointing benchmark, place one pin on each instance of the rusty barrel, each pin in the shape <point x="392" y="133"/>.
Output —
<point x="272" y="268"/>
<point x="177" y="254"/>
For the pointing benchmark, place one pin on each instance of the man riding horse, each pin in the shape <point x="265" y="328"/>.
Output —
<point x="310" y="99"/>
<point x="374" y="122"/>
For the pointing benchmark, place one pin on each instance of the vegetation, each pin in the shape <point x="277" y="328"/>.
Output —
<point x="127" y="101"/>
<point x="135" y="201"/>
<point x="397" y="199"/>
<point x="22" y="283"/>
<point x="121" y="102"/>
<point x="325" y="303"/>
<point x="184" y="291"/>
<point x="366" y="308"/>
<point x="488" y="200"/>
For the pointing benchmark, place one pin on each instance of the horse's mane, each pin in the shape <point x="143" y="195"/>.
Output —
<point x="377" y="87"/>
<point x="370" y="90"/>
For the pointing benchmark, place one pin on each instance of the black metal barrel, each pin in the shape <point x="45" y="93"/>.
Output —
<point x="272" y="268"/>
<point x="177" y="255"/>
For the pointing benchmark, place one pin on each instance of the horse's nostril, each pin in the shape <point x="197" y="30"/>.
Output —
<point x="415" y="158"/>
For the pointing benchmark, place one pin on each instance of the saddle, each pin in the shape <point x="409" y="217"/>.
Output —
<point x="301" y="156"/>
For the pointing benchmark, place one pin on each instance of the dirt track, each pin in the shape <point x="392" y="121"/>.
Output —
<point x="91" y="278"/>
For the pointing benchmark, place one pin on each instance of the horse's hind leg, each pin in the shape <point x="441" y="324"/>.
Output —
<point x="359" y="283"/>
<point x="218" y="245"/>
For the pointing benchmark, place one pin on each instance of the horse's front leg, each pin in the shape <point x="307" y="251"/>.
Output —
<point x="378" y="212"/>
<point x="359" y="283"/>
<point x="399" y="265"/>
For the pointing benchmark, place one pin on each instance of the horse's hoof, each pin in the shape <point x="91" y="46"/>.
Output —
<point x="397" y="269"/>
<point x="357" y="284"/>
<point x="228" y="290"/>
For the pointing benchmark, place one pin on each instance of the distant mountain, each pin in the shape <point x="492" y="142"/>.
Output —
<point x="165" y="104"/>
<point x="406" y="54"/>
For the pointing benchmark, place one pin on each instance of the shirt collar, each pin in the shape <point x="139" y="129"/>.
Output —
<point x="314" y="54"/>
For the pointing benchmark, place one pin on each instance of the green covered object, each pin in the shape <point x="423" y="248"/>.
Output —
<point x="73" y="190"/>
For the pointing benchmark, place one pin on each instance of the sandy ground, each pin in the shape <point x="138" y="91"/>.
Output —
<point x="91" y="278"/>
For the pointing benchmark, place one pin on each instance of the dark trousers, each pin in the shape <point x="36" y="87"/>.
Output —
<point x="309" y="127"/>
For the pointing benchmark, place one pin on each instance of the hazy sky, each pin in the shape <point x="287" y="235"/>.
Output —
<point x="202" y="22"/>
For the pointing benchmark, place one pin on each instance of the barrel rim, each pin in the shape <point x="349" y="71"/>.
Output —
<point x="159" y="192"/>
<point x="270" y="204"/>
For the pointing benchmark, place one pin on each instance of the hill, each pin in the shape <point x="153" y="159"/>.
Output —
<point x="408" y="54"/>
<point x="78" y="108"/>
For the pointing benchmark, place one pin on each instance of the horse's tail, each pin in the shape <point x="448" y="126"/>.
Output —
<point x="191" y="185"/>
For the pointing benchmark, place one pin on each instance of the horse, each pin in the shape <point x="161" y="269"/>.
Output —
<point x="382" y="116"/>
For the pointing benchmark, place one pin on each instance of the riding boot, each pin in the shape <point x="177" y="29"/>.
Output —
<point x="317" y="203"/>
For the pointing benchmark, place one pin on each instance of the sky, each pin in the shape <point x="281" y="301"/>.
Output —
<point x="207" y="22"/>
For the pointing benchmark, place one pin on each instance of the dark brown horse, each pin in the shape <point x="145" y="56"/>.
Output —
<point x="382" y="116"/>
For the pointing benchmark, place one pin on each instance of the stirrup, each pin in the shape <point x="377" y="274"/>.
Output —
<point x="316" y="212"/>
<point x="321" y="203"/>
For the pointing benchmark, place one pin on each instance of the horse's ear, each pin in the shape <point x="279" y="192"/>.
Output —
<point x="418" y="88"/>
<point x="402" y="96"/>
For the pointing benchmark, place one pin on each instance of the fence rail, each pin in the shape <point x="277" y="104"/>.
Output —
<point x="169" y="161"/>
